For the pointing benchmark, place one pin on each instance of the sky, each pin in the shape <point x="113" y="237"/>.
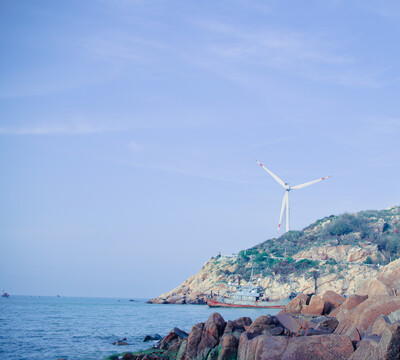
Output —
<point x="129" y="129"/>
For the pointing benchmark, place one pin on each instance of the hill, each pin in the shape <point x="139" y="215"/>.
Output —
<point x="335" y="253"/>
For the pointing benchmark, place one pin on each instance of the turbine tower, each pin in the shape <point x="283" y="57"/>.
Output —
<point x="288" y="188"/>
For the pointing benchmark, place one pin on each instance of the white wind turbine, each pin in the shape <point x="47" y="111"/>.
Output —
<point x="288" y="188"/>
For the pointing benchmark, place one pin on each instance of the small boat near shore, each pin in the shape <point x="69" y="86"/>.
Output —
<point x="246" y="296"/>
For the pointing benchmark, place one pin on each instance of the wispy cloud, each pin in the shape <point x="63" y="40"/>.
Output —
<point x="232" y="50"/>
<point x="80" y="129"/>
<point x="298" y="52"/>
<point x="273" y="45"/>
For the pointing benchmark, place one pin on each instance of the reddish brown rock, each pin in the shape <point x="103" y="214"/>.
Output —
<point x="353" y="335"/>
<point x="193" y="341"/>
<point x="379" y="326"/>
<point x="347" y="307"/>
<point x="385" y="347"/>
<point x="237" y="325"/>
<point x="266" y="325"/>
<point x="315" y="307"/>
<point x="374" y="287"/>
<point x="181" y="355"/>
<point x="204" y="337"/>
<point x="174" y="336"/>
<point x="321" y="325"/>
<point x="295" y="305"/>
<point x="332" y="301"/>
<point x="319" y="347"/>
<point x="367" y="312"/>
<point x="293" y="323"/>
<point x="229" y="347"/>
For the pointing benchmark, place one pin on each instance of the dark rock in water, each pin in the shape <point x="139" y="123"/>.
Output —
<point x="152" y="337"/>
<point x="121" y="342"/>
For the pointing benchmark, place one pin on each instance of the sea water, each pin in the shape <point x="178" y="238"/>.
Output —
<point x="34" y="328"/>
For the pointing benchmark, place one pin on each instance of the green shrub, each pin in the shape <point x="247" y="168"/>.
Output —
<point x="368" y="260"/>
<point x="331" y="261"/>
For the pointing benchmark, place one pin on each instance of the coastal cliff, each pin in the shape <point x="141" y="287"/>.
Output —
<point x="335" y="253"/>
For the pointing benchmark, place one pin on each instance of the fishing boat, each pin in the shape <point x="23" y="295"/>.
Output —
<point x="5" y="294"/>
<point x="249" y="296"/>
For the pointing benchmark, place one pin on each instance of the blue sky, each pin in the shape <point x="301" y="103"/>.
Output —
<point x="128" y="132"/>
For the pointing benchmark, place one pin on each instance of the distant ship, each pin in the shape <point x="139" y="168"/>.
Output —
<point x="5" y="294"/>
<point x="246" y="296"/>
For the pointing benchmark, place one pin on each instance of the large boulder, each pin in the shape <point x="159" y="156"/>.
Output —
<point x="382" y="339"/>
<point x="347" y="307"/>
<point x="366" y="313"/>
<point x="295" y="305"/>
<point x="293" y="323"/>
<point x="266" y="325"/>
<point x="321" y="325"/>
<point x="390" y="276"/>
<point x="204" y="337"/>
<point x="194" y="341"/>
<point x="315" y="307"/>
<point x="385" y="347"/>
<point x="373" y="287"/>
<point x="229" y="347"/>
<point x="319" y="347"/>
<point x="174" y="336"/>
<point x="332" y="301"/>
<point x="239" y="325"/>
<point x="299" y="324"/>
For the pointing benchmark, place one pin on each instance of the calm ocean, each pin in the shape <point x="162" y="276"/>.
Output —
<point x="34" y="328"/>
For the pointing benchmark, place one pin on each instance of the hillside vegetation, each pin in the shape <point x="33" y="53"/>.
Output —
<point x="372" y="227"/>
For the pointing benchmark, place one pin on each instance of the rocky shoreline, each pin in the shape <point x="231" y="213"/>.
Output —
<point x="362" y="326"/>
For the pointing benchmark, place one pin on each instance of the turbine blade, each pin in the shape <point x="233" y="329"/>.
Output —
<point x="280" y="181"/>
<point x="284" y="203"/>
<point x="309" y="183"/>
